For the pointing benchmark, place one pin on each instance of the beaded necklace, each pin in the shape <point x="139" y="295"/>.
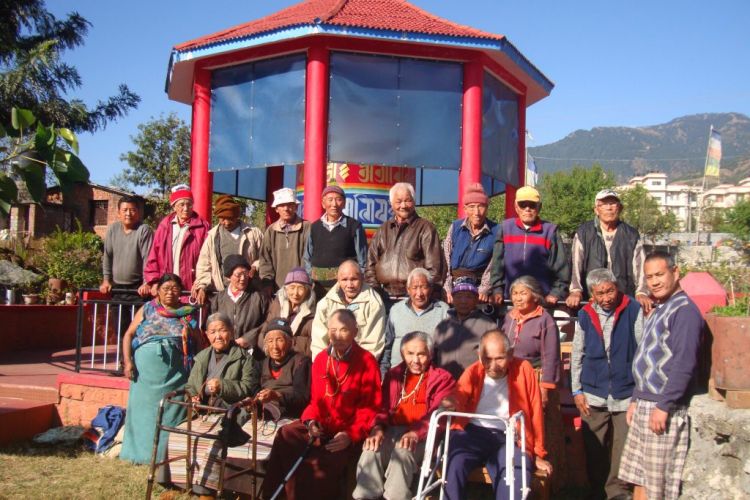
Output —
<point x="339" y="381"/>
<point x="413" y="392"/>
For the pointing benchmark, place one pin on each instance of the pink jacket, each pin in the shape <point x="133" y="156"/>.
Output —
<point x="160" y="258"/>
<point x="440" y="384"/>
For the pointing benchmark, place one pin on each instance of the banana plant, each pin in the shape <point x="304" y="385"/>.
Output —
<point x="27" y="149"/>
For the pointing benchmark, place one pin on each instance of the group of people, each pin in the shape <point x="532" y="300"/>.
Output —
<point x="361" y="342"/>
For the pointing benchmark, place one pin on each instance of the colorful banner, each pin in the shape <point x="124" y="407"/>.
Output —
<point x="366" y="188"/>
<point x="713" y="157"/>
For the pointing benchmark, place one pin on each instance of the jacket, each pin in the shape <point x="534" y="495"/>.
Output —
<point x="538" y="342"/>
<point x="160" y="258"/>
<point x="367" y="308"/>
<point x="301" y="324"/>
<point x="352" y="406"/>
<point x="456" y="341"/>
<point x="208" y="270"/>
<point x="523" y="395"/>
<point x="239" y="377"/>
<point x="440" y="384"/>
<point x="282" y="250"/>
<point x="293" y="383"/>
<point x="397" y="249"/>
<point x="248" y="313"/>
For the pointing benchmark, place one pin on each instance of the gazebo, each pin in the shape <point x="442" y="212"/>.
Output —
<point x="359" y="92"/>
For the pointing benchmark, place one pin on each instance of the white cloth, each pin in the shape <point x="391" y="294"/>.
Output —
<point x="493" y="401"/>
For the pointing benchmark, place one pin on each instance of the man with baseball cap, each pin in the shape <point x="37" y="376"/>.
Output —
<point x="284" y="241"/>
<point x="607" y="242"/>
<point x="177" y="241"/>
<point x="334" y="238"/>
<point x="230" y="236"/>
<point x="528" y="245"/>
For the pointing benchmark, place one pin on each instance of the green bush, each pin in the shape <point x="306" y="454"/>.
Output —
<point x="74" y="256"/>
<point x="741" y="307"/>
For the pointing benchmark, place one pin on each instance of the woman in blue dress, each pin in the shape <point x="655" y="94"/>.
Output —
<point x="157" y="349"/>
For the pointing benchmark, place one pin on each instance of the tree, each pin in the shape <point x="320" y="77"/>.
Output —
<point x="737" y="223"/>
<point x="33" y="77"/>
<point x="568" y="196"/>
<point x="641" y="211"/>
<point x="162" y="155"/>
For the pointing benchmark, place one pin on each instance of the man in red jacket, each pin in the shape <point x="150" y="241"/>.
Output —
<point x="412" y="390"/>
<point x="345" y="396"/>
<point x="501" y="385"/>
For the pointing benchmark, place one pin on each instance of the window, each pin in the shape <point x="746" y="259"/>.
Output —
<point x="98" y="212"/>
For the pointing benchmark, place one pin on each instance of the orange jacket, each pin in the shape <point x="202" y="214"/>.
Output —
<point x="523" y="393"/>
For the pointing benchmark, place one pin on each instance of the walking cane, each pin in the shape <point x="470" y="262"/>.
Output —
<point x="294" y="468"/>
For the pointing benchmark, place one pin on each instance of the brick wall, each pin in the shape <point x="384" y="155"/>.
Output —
<point x="81" y="396"/>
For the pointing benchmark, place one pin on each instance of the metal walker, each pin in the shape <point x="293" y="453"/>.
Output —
<point x="427" y="477"/>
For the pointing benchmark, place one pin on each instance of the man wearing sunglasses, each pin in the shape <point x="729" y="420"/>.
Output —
<point x="528" y="245"/>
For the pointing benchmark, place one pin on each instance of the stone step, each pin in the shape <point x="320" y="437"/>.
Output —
<point x="36" y="393"/>
<point x="22" y="419"/>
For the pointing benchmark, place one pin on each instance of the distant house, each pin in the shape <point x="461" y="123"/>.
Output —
<point x="93" y="205"/>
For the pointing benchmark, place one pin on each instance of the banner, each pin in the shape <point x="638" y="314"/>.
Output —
<point x="532" y="174"/>
<point x="713" y="157"/>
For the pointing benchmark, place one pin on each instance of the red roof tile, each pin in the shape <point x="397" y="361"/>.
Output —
<point x="394" y="15"/>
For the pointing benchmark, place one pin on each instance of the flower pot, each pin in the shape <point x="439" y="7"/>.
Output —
<point x="31" y="298"/>
<point x="730" y="352"/>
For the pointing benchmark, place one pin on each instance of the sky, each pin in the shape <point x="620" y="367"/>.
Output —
<point x="614" y="63"/>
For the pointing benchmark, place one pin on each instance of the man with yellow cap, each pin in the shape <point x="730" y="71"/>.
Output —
<point x="230" y="236"/>
<point x="527" y="245"/>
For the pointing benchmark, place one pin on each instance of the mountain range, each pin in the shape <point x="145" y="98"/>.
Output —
<point x="677" y="148"/>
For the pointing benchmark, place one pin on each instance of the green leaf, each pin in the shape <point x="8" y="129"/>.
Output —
<point x="3" y="133"/>
<point x="44" y="141"/>
<point x="8" y="193"/>
<point x="33" y="175"/>
<point x="70" y="138"/>
<point x="21" y="118"/>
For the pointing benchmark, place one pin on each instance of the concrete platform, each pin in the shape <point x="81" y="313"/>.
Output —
<point x="22" y="419"/>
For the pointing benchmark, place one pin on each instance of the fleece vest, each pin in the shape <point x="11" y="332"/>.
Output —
<point x="331" y="248"/>
<point x="621" y="253"/>
<point x="527" y="252"/>
<point x="469" y="253"/>
<point x="600" y="375"/>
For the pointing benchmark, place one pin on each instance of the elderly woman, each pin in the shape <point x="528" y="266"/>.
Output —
<point x="412" y="390"/>
<point x="223" y="373"/>
<point x="295" y="302"/>
<point x="285" y="374"/>
<point x="158" y="349"/>
<point x="245" y="307"/>
<point x="534" y="337"/>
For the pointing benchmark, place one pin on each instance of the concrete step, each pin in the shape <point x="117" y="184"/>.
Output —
<point x="22" y="419"/>
<point x="35" y="393"/>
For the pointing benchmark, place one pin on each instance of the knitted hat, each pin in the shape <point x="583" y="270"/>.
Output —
<point x="283" y="196"/>
<point x="180" y="192"/>
<point x="528" y="193"/>
<point x="297" y="275"/>
<point x="232" y="262"/>
<point x="332" y="189"/>
<point x="474" y="193"/>
<point x="278" y="325"/>
<point x="464" y="285"/>
<point x="226" y="206"/>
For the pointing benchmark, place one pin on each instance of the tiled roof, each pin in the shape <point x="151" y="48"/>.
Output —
<point x="391" y="15"/>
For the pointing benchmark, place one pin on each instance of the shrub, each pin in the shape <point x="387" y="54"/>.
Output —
<point x="74" y="256"/>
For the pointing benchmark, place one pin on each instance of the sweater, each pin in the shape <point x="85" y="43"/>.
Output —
<point x="248" y="313"/>
<point x="353" y="244"/>
<point x="456" y="341"/>
<point x="439" y="385"/>
<point x="538" y="342"/>
<point x="351" y="405"/>
<point x="301" y="322"/>
<point x="209" y="272"/>
<point x="666" y="359"/>
<point x="283" y="249"/>
<point x="404" y="319"/>
<point x="293" y="383"/>
<point x="239" y="377"/>
<point x="125" y="254"/>
<point x="523" y="395"/>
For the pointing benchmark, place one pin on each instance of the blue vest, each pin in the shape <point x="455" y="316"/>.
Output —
<point x="527" y="252"/>
<point x="469" y="253"/>
<point x="600" y="376"/>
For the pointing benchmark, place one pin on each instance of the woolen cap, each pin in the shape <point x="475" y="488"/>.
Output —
<point x="464" y="285"/>
<point x="297" y="275"/>
<point x="278" y="324"/>
<point x="226" y="206"/>
<point x="474" y="193"/>
<point x="333" y="189"/>
<point x="283" y="196"/>
<point x="180" y="192"/>
<point x="232" y="262"/>
<point x="528" y="193"/>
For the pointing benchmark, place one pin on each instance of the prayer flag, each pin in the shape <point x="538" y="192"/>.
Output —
<point x="532" y="174"/>
<point x="713" y="157"/>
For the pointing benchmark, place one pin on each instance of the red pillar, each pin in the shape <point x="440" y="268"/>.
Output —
<point x="274" y="181"/>
<point x="510" y="191"/>
<point x="201" y="180"/>
<point x="316" y="130"/>
<point x="471" y="139"/>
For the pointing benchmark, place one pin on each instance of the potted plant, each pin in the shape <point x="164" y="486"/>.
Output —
<point x="30" y="292"/>
<point x="730" y="350"/>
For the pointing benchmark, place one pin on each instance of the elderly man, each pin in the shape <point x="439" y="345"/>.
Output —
<point x="607" y="333"/>
<point x="345" y="397"/>
<point x="229" y="237"/>
<point x="402" y="243"/>
<point x="457" y="336"/>
<point x="419" y="312"/>
<point x="528" y="245"/>
<point x="334" y="238"/>
<point x="501" y="385"/>
<point x="177" y="241"/>
<point x="469" y="242"/>
<point x="284" y="241"/>
<point x="351" y="293"/>
<point x="246" y="308"/>
<point x="608" y="242"/>
<point x="411" y="392"/>
<point x="664" y="368"/>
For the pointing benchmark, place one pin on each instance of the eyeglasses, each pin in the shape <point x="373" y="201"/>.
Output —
<point x="528" y="204"/>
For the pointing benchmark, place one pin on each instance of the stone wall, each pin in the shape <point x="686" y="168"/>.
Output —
<point x="81" y="396"/>
<point x="718" y="463"/>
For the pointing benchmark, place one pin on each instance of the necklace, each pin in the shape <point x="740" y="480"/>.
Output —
<point x="413" y="392"/>
<point x="339" y="381"/>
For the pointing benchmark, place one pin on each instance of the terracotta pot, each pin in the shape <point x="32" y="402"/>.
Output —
<point x="730" y="352"/>
<point x="31" y="298"/>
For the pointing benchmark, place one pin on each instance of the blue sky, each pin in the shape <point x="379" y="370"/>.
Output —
<point x="627" y="63"/>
